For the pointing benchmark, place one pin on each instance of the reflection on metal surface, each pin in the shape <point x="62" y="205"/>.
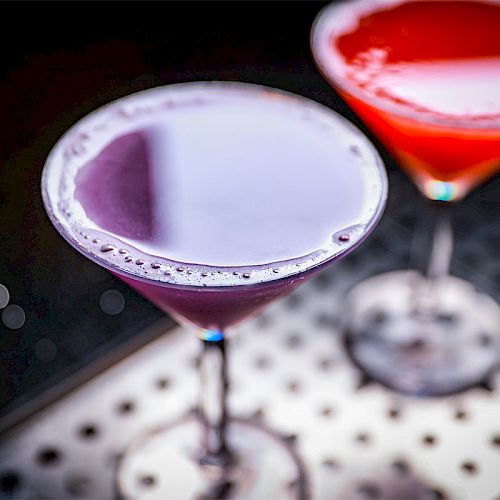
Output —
<point x="163" y="465"/>
<point x="427" y="337"/>
<point x="358" y="440"/>
<point x="289" y="367"/>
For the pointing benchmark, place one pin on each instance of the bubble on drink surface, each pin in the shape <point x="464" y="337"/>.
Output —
<point x="355" y="150"/>
<point x="155" y="265"/>
<point x="123" y="251"/>
<point x="344" y="237"/>
<point x="139" y="262"/>
<point x="4" y="296"/>
<point x="107" y="248"/>
<point x="128" y="258"/>
<point x="13" y="317"/>
<point x="204" y="275"/>
<point x="246" y="275"/>
<point x="180" y="269"/>
<point x="96" y="240"/>
<point x="78" y="149"/>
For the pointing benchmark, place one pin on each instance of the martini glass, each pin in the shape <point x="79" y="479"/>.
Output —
<point x="212" y="200"/>
<point x="424" y="76"/>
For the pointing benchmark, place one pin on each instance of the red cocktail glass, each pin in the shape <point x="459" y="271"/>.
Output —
<point x="425" y="77"/>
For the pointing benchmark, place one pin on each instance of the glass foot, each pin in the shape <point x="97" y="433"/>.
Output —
<point x="165" y="464"/>
<point x="422" y="337"/>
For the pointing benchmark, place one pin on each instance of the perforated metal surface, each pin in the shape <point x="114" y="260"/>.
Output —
<point x="357" y="440"/>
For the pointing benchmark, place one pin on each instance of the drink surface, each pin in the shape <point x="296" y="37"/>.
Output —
<point x="212" y="178"/>
<point x="425" y="76"/>
<point x="193" y="191"/>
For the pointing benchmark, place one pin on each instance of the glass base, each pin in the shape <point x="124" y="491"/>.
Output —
<point x="420" y="336"/>
<point x="166" y="464"/>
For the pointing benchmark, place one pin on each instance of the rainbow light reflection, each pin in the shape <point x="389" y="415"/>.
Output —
<point x="211" y="335"/>
<point x="440" y="190"/>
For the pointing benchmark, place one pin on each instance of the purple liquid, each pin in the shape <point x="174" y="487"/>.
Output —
<point x="223" y="202"/>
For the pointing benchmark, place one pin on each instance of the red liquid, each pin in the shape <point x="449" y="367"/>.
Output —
<point x="425" y="77"/>
<point x="221" y="202"/>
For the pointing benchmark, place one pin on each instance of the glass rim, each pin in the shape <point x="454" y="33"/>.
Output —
<point x="319" y="32"/>
<point x="376" y="164"/>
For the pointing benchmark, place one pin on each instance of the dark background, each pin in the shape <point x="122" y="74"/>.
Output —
<point x="60" y="60"/>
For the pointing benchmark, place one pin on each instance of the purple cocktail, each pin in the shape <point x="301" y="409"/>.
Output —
<point x="212" y="200"/>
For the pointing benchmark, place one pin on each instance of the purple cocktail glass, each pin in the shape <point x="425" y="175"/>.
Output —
<point x="212" y="200"/>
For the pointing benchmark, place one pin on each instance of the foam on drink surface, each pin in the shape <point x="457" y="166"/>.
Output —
<point x="213" y="185"/>
<point x="437" y="57"/>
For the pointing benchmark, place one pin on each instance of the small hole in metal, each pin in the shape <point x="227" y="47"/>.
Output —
<point x="401" y="466"/>
<point x="163" y="383"/>
<point x="196" y="362"/>
<point x="10" y="481"/>
<point x="484" y="340"/>
<point x="331" y="463"/>
<point x="262" y="362"/>
<point x="416" y="345"/>
<point x="326" y="364"/>
<point x="326" y="320"/>
<point x="363" y="438"/>
<point x="495" y="440"/>
<point x="447" y="318"/>
<point x="293" y="386"/>
<point x="89" y="431"/>
<point x="394" y="413"/>
<point x="49" y="456"/>
<point x="259" y="414"/>
<point x="77" y="486"/>
<point x="369" y="490"/>
<point x="326" y="411"/>
<point x="114" y="457"/>
<point x="147" y="481"/>
<point x="378" y="317"/>
<point x="293" y="341"/>
<point x="429" y="440"/>
<point x="126" y="407"/>
<point x="461" y="415"/>
<point x="438" y="494"/>
<point x="469" y="467"/>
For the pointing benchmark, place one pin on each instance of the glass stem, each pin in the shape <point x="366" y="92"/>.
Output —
<point x="441" y="252"/>
<point x="213" y="402"/>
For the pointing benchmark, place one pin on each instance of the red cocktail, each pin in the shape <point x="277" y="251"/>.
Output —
<point x="425" y="77"/>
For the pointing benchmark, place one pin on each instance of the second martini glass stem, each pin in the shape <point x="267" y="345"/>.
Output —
<point x="439" y="261"/>
<point x="213" y="402"/>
